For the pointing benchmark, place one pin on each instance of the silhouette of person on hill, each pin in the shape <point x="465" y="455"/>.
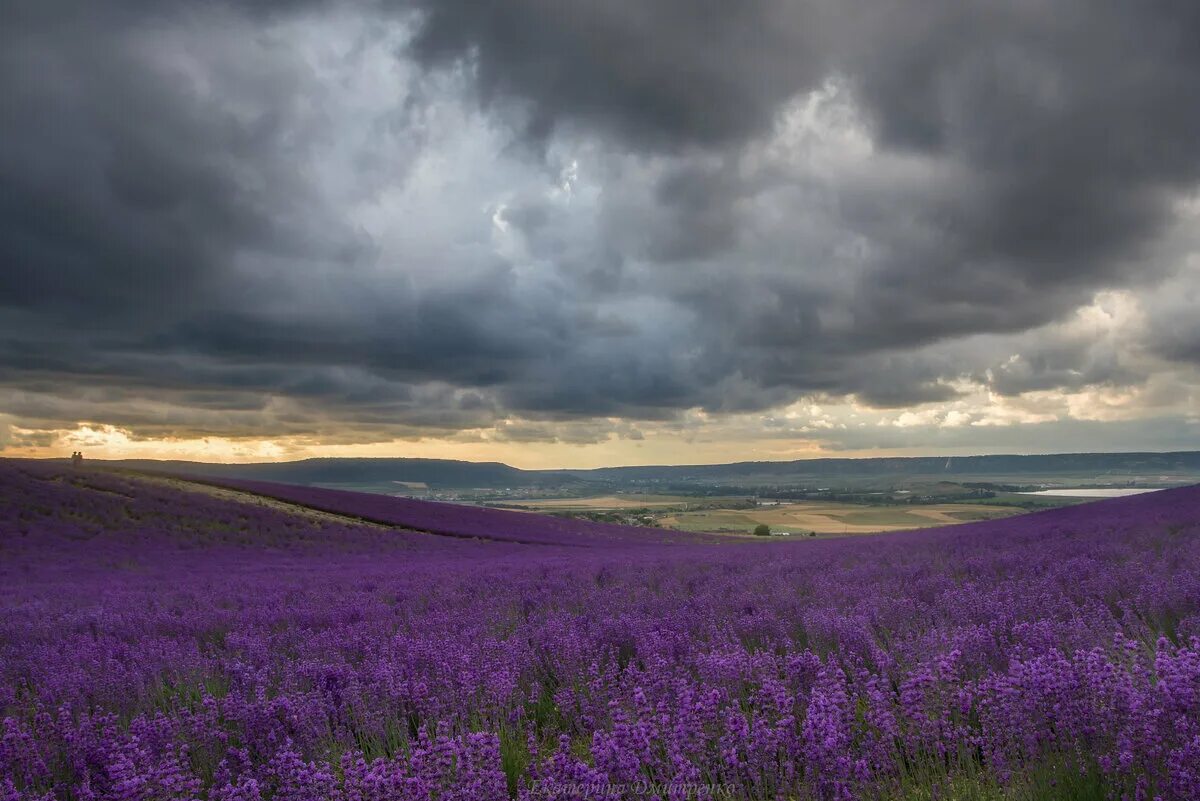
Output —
<point x="76" y="458"/>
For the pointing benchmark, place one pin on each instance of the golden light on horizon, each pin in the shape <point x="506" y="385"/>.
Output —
<point x="977" y="420"/>
<point x="112" y="442"/>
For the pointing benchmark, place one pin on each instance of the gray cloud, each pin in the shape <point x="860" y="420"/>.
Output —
<point x="1062" y="366"/>
<point x="1175" y="327"/>
<point x="140" y="165"/>
<point x="300" y="216"/>
<point x="1053" y="141"/>
<point x="662" y="75"/>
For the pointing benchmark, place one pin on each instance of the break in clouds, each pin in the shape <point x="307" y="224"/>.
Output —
<point x="574" y="220"/>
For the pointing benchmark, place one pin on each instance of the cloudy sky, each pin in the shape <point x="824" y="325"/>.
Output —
<point x="584" y="232"/>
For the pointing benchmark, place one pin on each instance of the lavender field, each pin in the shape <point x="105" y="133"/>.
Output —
<point x="468" y="522"/>
<point x="159" y="644"/>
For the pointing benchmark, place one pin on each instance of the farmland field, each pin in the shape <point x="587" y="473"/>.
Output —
<point x="705" y="513"/>
<point x="161" y="641"/>
<point x="835" y="518"/>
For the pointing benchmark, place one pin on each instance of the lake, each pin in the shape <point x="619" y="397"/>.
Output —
<point x="1112" y="492"/>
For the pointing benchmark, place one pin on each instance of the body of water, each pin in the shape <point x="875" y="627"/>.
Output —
<point x="1114" y="492"/>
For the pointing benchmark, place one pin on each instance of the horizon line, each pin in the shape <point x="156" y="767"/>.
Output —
<point x="619" y="466"/>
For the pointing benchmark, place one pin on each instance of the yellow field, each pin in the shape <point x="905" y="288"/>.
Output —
<point x="835" y="518"/>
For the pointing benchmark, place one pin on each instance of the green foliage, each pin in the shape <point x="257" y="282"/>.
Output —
<point x="762" y="530"/>
<point x="514" y="758"/>
<point x="1055" y="779"/>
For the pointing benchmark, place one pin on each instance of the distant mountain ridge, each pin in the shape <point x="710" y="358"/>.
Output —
<point x="1057" y="463"/>
<point x="453" y="474"/>
<point x="441" y="473"/>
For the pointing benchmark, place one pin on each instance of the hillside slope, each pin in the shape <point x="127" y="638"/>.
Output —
<point x="438" y="473"/>
<point x="458" y="520"/>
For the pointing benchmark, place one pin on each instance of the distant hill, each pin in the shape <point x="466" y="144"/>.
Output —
<point x="1181" y="463"/>
<point x="436" y="473"/>
<point x="451" y="474"/>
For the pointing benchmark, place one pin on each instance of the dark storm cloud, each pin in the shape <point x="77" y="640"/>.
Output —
<point x="132" y="183"/>
<point x="662" y="75"/>
<point x="183" y="189"/>
<point x="1067" y="125"/>
<point x="153" y="159"/>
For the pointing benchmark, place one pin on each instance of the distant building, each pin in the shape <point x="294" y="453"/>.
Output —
<point x="781" y="533"/>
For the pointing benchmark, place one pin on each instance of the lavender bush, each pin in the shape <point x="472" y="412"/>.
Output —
<point x="158" y="644"/>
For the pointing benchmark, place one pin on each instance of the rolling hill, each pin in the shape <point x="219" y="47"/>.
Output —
<point x="1178" y="467"/>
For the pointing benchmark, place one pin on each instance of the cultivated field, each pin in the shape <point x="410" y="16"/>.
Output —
<point x="703" y="513"/>
<point x="164" y="644"/>
<point x="835" y="518"/>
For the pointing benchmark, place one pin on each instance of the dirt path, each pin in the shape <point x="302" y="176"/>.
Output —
<point x="249" y="498"/>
